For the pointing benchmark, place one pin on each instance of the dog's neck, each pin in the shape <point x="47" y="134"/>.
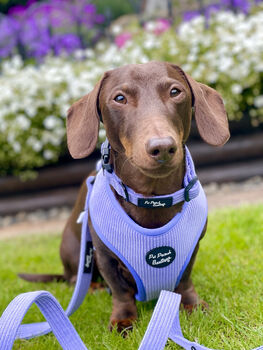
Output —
<point x="147" y="186"/>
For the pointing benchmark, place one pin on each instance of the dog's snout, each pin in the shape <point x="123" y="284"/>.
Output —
<point x="161" y="149"/>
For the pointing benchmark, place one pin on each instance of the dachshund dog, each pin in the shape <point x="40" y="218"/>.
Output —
<point x="146" y="110"/>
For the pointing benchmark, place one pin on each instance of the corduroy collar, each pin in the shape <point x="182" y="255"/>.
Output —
<point x="189" y="191"/>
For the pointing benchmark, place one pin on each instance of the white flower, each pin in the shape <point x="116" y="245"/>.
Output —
<point x="212" y="77"/>
<point x="78" y="54"/>
<point x="236" y="88"/>
<point x="150" y="26"/>
<point x="17" y="147"/>
<point x="258" y="101"/>
<point x="23" y="122"/>
<point x="50" y="122"/>
<point x="89" y="53"/>
<point x="101" y="46"/>
<point x="225" y="64"/>
<point x="116" y="29"/>
<point x="102" y="134"/>
<point x="30" y="111"/>
<point x="48" y="154"/>
<point x="150" y="43"/>
<point x="37" y="145"/>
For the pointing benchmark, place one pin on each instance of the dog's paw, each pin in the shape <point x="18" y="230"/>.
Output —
<point x="73" y="280"/>
<point x="96" y="286"/>
<point x="122" y="326"/>
<point x="191" y="307"/>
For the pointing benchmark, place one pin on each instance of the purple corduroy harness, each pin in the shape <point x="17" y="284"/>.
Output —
<point x="165" y="322"/>
<point x="157" y="257"/>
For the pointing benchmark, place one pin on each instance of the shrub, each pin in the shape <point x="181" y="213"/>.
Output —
<point x="227" y="55"/>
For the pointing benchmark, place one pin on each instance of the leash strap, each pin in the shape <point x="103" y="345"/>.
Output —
<point x="164" y="323"/>
<point x="30" y="330"/>
<point x="56" y="318"/>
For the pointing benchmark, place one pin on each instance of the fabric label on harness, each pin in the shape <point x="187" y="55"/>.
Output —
<point x="88" y="257"/>
<point x="160" y="257"/>
<point x="155" y="203"/>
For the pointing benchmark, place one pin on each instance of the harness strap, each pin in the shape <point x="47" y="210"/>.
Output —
<point x="30" y="330"/>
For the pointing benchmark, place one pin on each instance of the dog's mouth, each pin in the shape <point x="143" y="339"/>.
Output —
<point x="160" y="169"/>
<point x="158" y="172"/>
<point x="155" y="168"/>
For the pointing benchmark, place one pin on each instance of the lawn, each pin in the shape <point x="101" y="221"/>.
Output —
<point x="228" y="275"/>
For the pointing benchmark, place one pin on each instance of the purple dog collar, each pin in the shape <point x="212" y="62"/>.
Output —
<point x="190" y="191"/>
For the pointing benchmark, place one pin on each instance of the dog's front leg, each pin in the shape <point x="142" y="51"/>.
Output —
<point x="120" y="282"/>
<point x="190" y="298"/>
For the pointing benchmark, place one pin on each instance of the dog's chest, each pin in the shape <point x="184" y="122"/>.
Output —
<point x="155" y="257"/>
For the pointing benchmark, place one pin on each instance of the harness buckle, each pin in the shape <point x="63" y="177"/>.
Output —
<point x="188" y="188"/>
<point x="105" y="156"/>
<point x="80" y="218"/>
<point x="127" y="198"/>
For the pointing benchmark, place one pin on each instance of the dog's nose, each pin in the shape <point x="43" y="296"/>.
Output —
<point x="161" y="149"/>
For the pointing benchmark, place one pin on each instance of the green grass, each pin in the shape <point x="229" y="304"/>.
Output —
<point x="228" y="274"/>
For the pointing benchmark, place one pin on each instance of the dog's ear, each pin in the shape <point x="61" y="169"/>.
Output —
<point x="210" y="113"/>
<point x="83" y="124"/>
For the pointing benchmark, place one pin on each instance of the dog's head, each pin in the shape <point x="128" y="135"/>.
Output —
<point x="146" y="110"/>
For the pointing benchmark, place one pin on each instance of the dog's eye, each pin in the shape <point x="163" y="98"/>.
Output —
<point x="174" y="92"/>
<point x="120" y="99"/>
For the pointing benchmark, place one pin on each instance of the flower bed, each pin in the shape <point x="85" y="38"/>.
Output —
<point x="227" y="55"/>
<point x="56" y="27"/>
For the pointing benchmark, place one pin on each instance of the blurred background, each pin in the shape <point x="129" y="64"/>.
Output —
<point x="53" y="52"/>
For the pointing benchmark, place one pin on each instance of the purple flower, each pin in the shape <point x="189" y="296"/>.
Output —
<point x="210" y="9"/>
<point x="89" y="9"/>
<point x="65" y="43"/>
<point x="9" y="36"/>
<point x="189" y="15"/>
<point x="241" y="5"/>
<point x="49" y="26"/>
<point x="18" y="10"/>
<point x="99" y="18"/>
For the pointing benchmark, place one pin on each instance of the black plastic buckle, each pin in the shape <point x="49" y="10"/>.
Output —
<point x="105" y="157"/>
<point x="126" y="192"/>
<point x="188" y="188"/>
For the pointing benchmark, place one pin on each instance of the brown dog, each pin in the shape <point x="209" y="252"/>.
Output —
<point x="146" y="110"/>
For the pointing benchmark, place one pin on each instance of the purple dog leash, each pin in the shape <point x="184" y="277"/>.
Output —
<point x="57" y="320"/>
<point x="27" y="331"/>
<point x="164" y="323"/>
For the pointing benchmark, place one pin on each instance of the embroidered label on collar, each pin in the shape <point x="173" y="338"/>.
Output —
<point x="155" y="203"/>
<point x="88" y="257"/>
<point x="160" y="257"/>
